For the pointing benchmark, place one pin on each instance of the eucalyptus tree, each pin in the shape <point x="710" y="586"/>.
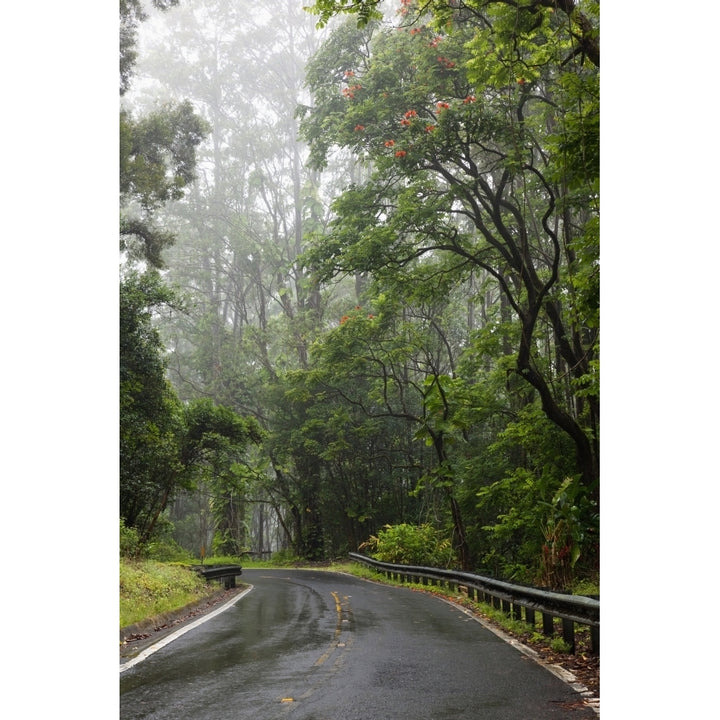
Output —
<point x="252" y="309"/>
<point x="241" y="230"/>
<point x="165" y="445"/>
<point x="157" y="156"/>
<point x="132" y="14"/>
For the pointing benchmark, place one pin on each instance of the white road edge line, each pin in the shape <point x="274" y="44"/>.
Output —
<point x="174" y="636"/>
<point x="565" y="675"/>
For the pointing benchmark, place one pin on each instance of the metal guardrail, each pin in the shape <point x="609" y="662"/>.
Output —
<point x="227" y="573"/>
<point x="511" y="598"/>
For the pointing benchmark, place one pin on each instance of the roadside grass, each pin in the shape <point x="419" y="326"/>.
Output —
<point x="149" y="588"/>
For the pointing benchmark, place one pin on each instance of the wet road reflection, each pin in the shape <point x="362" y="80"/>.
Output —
<point x="314" y="645"/>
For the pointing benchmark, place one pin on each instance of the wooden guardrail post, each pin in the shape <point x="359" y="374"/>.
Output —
<point x="548" y="628"/>
<point x="568" y="627"/>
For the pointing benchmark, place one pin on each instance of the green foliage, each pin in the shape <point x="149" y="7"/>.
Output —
<point x="558" y="645"/>
<point x="285" y="558"/>
<point x="365" y="10"/>
<point x="587" y="586"/>
<point x="466" y="157"/>
<point x="150" y="588"/>
<point x="569" y="530"/>
<point x="157" y="153"/>
<point x="164" y="445"/>
<point x="132" y="14"/>
<point x="411" y="545"/>
<point x="129" y="541"/>
<point x="457" y="380"/>
<point x="212" y="428"/>
<point x="157" y="162"/>
<point x="165" y="549"/>
<point x="517" y="506"/>
<point x="150" y="413"/>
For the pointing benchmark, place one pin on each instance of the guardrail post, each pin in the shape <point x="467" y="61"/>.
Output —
<point x="547" y="624"/>
<point x="569" y="633"/>
<point x="530" y="616"/>
<point x="595" y="639"/>
<point x="506" y="607"/>
<point x="517" y="612"/>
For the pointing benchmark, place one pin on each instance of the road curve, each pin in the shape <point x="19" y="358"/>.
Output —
<point x="315" y="645"/>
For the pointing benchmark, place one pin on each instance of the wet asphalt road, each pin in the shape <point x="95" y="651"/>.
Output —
<point x="313" y="645"/>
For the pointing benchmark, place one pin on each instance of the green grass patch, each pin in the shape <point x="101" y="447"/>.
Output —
<point x="149" y="588"/>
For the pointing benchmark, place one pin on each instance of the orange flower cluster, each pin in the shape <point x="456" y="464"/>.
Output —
<point x="469" y="99"/>
<point x="389" y="143"/>
<point x="400" y="154"/>
<point x="430" y="128"/>
<point x="345" y="318"/>
<point x="442" y="106"/>
<point x="359" y="128"/>
<point x="349" y="91"/>
<point x="445" y="62"/>
<point x="407" y="118"/>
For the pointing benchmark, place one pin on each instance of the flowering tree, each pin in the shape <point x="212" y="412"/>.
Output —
<point x="481" y="144"/>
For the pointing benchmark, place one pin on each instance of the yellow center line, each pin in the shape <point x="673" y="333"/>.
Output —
<point x="335" y="644"/>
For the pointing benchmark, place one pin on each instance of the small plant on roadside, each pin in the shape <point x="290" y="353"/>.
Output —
<point x="559" y="645"/>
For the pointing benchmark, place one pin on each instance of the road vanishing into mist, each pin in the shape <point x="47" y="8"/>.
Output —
<point x="316" y="645"/>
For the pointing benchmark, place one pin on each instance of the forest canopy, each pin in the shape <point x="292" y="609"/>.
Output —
<point x="360" y="278"/>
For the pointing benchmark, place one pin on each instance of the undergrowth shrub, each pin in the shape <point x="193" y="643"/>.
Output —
<point x="285" y="557"/>
<point x="411" y="545"/>
<point x="129" y="541"/>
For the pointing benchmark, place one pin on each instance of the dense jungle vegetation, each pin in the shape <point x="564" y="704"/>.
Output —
<point x="359" y="282"/>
